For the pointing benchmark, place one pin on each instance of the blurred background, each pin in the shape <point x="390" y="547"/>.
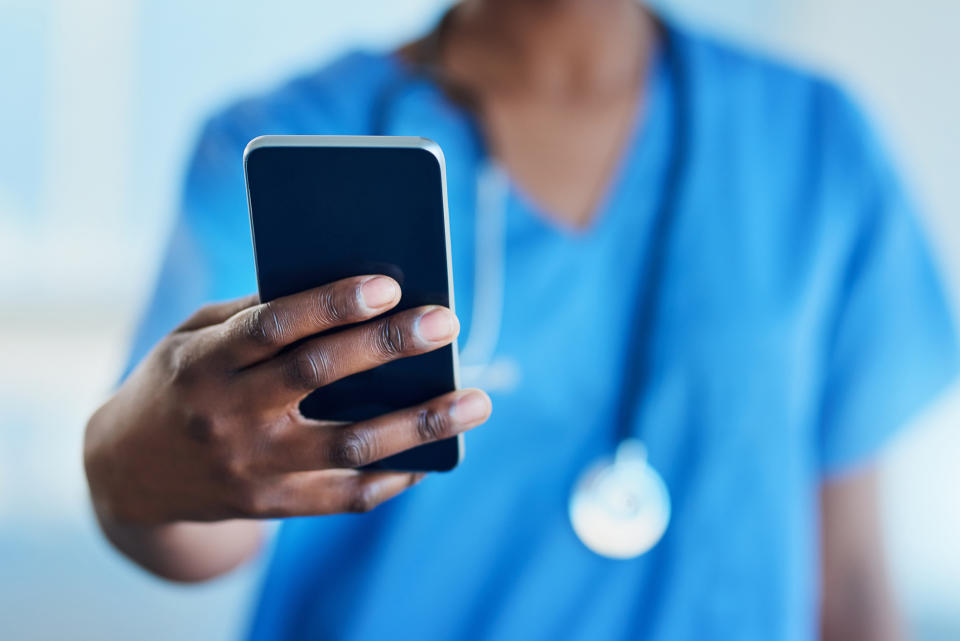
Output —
<point x="100" y="101"/>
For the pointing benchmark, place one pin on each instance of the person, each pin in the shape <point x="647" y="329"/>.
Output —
<point x="798" y="323"/>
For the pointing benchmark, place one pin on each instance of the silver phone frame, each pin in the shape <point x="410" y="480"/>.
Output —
<point x="374" y="142"/>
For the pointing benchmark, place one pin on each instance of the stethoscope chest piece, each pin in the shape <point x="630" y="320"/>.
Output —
<point x="620" y="508"/>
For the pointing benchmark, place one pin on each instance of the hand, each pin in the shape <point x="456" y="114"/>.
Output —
<point x="208" y="428"/>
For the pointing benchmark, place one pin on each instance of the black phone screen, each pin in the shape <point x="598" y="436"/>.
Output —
<point x="319" y="213"/>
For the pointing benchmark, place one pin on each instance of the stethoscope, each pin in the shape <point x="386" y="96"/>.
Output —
<point x="619" y="506"/>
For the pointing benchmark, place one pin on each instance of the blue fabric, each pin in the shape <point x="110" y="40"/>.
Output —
<point x="801" y="323"/>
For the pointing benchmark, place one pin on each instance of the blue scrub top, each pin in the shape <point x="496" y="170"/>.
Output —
<point x="801" y="322"/>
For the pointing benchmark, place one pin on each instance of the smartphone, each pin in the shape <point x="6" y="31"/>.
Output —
<point x="324" y="208"/>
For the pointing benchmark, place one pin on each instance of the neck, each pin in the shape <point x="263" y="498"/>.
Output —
<point x="552" y="47"/>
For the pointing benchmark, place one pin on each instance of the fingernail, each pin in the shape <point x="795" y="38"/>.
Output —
<point x="379" y="291"/>
<point x="470" y="408"/>
<point x="436" y="325"/>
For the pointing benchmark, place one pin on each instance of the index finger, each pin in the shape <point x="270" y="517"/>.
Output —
<point x="259" y="332"/>
<point x="216" y="313"/>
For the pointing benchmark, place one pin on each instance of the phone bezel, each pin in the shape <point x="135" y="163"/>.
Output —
<point x="369" y="142"/>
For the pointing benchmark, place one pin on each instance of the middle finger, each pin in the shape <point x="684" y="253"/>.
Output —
<point x="289" y="377"/>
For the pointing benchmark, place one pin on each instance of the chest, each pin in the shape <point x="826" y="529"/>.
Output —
<point x="561" y="154"/>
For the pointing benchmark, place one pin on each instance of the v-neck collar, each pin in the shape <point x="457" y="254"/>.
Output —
<point x="636" y="153"/>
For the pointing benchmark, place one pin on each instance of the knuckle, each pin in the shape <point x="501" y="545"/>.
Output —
<point x="205" y="429"/>
<point x="254" y="501"/>
<point x="390" y="339"/>
<point x="236" y="468"/>
<point x="262" y="325"/>
<point x="363" y="498"/>
<point x="330" y="309"/>
<point x="432" y="425"/>
<point x="349" y="449"/>
<point x="306" y="369"/>
<point x="229" y="466"/>
<point x="227" y="460"/>
<point x="182" y="363"/>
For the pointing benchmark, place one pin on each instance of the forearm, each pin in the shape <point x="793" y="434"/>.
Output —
<point x="860" y="610"/>
<point x="188" y="552"/>
<point x="858" y="601"/>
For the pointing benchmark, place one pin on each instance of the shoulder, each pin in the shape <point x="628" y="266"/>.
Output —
<point x="789" y="172"/>
<point x="774" y="105"/>
<point x="793" y="140"/>
<point x="752" y="78"/>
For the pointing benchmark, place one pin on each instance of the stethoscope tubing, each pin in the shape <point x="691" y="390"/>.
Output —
<point x="492" y="199"/>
